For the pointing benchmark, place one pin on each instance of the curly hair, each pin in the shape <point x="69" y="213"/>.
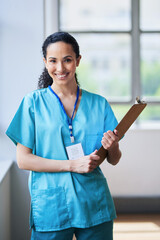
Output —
<point x="45" y="79"/>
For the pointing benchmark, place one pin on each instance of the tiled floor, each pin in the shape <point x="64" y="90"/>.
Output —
<point x="137" y="227"/>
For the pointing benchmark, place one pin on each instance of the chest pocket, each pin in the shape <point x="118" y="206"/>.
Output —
<point x="92" y="142"/>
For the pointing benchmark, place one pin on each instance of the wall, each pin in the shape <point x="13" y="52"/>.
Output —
<point x="21" y="26"/>
<point x="137" y="174"/>
<point x="5" y="208"/>
<point x="21" y="37"/>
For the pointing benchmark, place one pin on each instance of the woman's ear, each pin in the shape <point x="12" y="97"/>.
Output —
<point x="45" y="62"/>
<point x="78" y="60"/>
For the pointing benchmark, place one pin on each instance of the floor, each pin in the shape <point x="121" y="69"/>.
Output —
<point x="137" y="227"/>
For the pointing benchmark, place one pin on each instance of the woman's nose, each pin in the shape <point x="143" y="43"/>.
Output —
<point x="60" y="67"/>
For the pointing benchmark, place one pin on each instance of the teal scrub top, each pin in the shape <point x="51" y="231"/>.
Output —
<point x="61" y="200"/>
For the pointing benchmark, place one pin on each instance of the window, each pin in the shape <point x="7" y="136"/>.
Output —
<point x="120" y="44"/>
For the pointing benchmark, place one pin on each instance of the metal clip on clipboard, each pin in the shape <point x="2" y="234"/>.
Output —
<point x="125" y="123"/>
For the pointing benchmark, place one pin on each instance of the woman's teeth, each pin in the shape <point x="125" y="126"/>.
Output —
<point x="61" y="76"/>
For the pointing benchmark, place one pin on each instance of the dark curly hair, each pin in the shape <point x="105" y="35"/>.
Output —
<point x="45" y="79"/>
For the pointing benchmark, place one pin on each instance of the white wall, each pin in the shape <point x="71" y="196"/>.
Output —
<point x="21" y="38"/>
<point x="5" y="208"/>
<point x="21" y="26"/>
<point x="137" y="173"/>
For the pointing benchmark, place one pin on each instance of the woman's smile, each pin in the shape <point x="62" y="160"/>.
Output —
<point x="61" y="76"/>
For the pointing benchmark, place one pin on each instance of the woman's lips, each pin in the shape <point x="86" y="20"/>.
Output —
<point x="61" y="76"/>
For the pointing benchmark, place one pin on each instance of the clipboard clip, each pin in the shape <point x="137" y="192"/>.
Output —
<point x="139" y="101"/>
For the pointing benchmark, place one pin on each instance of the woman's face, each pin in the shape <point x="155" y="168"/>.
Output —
<point x="61" y="62"/>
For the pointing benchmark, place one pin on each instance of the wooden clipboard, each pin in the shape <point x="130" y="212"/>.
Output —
<point x="125" y="123"/>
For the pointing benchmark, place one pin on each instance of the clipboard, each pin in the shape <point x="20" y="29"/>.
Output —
<point x="125" y="123"/>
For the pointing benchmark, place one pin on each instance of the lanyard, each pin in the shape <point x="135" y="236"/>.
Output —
<point x="68" y="120"/>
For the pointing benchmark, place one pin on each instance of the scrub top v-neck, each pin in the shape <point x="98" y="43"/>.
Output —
<point x="76" y="107"/>
<point x="61" y="200"/>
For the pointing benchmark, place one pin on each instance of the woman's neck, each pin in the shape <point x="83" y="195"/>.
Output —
<point x="66" y="90"/>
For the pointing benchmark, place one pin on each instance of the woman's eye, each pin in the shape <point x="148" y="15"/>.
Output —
<point x="68" y="60"/>
<point x="52" y="60"/>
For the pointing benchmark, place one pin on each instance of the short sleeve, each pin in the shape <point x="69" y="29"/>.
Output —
<point x="22" y="127"/>
<point x="110" y="122"/>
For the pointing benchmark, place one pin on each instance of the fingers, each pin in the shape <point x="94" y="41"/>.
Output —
<point x="92" y="164"/>
<point x="87" y="163"/>
<point x="111" y="136"/>
<point x="115" y="132"/>
<point x="94" y="156"/>
<point x="110" y="139"/>
<point x="95" y="152"/>
<point x="92" y="161"/>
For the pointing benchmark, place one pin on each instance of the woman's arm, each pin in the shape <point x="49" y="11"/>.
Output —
<point x="110" y="143"/>
<point x="28" y="161"/>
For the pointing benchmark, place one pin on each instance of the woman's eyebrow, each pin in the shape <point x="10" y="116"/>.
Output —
<point x="52" y="57"/>
<point x="63" y="58"/>
<point x="68" y="56"/>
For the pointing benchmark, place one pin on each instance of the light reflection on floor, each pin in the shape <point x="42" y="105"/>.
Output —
<point x="137" y="227"/>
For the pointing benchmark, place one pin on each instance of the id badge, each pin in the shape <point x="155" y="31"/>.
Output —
<point x="75" y="151"/>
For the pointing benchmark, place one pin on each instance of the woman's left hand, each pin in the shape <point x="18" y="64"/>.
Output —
<point x="110" y="142"/>
<point x="110" y="139"/>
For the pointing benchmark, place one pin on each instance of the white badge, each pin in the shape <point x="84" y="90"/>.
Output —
<point x="75" y="151"/>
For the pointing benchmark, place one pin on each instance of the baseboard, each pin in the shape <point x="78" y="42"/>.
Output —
<point x="137" y="204"/>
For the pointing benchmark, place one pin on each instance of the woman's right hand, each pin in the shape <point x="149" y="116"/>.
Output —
<point x="28" y="161"/>
<point x="85" y="164"/>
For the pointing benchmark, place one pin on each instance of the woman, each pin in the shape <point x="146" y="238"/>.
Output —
<point x="58" y="129"/>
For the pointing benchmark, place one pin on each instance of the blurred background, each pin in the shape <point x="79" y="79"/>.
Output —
<point x="120" y="47"/>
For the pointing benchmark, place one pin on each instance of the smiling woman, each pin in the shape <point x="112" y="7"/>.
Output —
<point x="58" y="129"/>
